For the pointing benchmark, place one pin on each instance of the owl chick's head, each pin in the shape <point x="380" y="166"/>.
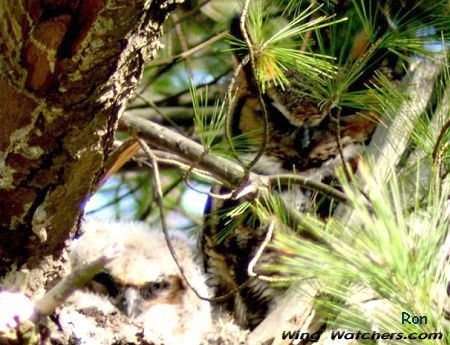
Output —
<point x="145" y="274"/>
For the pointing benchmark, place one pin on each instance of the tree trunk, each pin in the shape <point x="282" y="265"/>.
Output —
<point x="67" y="69"/>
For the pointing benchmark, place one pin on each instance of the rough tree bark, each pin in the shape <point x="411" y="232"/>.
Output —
<point x="67" y="68"/>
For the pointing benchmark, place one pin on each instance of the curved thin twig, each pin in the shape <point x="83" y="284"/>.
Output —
<point x="159" y="199"/>
<point x="286" y="179"/>
<point x="442" y="132"/>
<point x="251" y="55"/>
<point x="251" y="266"/>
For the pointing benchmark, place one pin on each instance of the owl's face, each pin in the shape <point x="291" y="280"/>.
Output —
<point x="145" y="274"/>
<point x="134" y="300"/>
<point x="301" y="136"/>
<point x="141" y="293"/>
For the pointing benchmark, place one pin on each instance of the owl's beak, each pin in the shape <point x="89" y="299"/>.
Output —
<point x="132" y="302"/>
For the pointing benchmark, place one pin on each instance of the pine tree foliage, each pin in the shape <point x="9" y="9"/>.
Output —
<point x="394" y="251"/>
<point x="391" y="245"/>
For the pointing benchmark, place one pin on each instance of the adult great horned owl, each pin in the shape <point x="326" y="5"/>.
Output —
<point x="302" y="138"/>
<point x="140" y="297"/>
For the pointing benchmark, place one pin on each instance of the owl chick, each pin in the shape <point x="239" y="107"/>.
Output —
<point x="141" y="291"/>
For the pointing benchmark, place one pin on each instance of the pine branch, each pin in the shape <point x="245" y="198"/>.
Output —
<point x="227" y="172"/>
<point x="389" y="142"/>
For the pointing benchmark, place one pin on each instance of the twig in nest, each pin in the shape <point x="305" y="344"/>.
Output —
<point x="251" y="266"/>
<point x="286" y="179"/>
<point x="80" y="275"/>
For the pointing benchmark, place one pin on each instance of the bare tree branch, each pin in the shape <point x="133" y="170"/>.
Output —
<point x="227" y="172"/>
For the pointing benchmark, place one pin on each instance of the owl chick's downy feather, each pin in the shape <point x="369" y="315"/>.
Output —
<point x="143" y="286"/>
